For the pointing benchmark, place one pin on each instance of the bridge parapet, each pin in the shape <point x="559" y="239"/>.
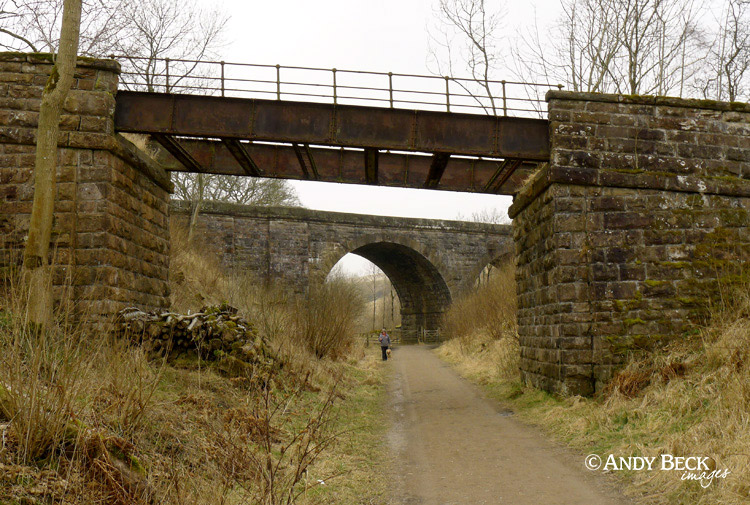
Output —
<point x="624" y="239"/>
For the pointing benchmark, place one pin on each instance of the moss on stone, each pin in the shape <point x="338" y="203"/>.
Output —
<point x="653" y="283"/>
<point x="634" y="171"/>
<point x="633" y="321"/>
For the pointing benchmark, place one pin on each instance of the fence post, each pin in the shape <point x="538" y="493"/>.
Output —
<point x="334" y="87"/>
<point x="447" y="93"/>
<point x="278" y="82"/>
<point x="222" y="78"/>
<point x="390" y="87"/>
<point x="505" y="102"/>
<point x="166" y="86"/>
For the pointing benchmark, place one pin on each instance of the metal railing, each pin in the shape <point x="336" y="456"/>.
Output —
<point x="337" y="86"/>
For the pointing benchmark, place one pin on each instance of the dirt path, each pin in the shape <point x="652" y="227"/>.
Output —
<point x="454" y="447"/>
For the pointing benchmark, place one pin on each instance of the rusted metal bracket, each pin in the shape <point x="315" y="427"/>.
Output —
<point x="175" y="149"/>
<point x="246" y="161"/>
<point x="301" y="160"/>
<point x="371" y="166"/>
<point x="311" y="159"/>
<point x="437" y="168"/>
<point x="504" y="170"/>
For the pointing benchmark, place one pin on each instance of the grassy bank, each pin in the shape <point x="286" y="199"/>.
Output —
<point x="86" y="418"/>
<point x="360" y="454"/>
<point x="690" y="399"/>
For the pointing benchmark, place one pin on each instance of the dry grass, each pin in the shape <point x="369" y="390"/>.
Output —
<point x="693" y="398"/>
<point x="88" y="420"/>
<point x="690" y="399"/>
<point x="481" y="327"/>
<point x="321" y="322"/>
<point x="489" y="311"/>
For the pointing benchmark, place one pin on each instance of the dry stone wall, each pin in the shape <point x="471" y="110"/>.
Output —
<point x="624" y="239"/>
<point x="110" y="238"/>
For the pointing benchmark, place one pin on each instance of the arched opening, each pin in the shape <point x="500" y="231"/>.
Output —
<point x="419" y="286"/>
<point x="383" y="305"/>
<point x="494" y="268"/>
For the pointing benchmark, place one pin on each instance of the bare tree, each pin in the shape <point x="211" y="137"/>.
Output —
<point x="586" y="43"/>
<point x="659" y="38"/>
<point x="623" y="46"/>
<point x="144" y="34"/>
<point x="197" y="188"/>
<point x="467" y="38"/>
<point x="13" y="38"/>
<point x="177" y="33"/>
<point x="36" y="263"/>
<point x="373" y="272"/>
<point x="39" y="21"/>
<point x="728" y="55"/>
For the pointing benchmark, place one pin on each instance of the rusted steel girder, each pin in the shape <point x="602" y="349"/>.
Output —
<point x="437" y="169"/>
<point x="501" y="175"/>
<point x="331" y="124"/>
<point x="349" y="166"/>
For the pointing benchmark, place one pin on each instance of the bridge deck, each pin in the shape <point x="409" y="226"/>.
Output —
<point x="219" y="135"/>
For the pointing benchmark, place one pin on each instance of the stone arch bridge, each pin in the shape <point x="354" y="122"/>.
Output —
<point x="429" y="262"/>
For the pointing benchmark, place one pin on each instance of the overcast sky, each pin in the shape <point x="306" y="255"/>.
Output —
<point x="380" y="35"/>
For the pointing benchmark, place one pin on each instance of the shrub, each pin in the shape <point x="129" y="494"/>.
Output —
<point x="489" y="310"/>
<point x="326" y="319"/>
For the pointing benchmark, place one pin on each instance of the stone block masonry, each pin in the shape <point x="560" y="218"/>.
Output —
<point x="111" y="230"/>
<point x="623" y="240"/>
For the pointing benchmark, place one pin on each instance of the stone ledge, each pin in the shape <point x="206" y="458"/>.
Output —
<point x="719" y="186"/>
<point x="528" y="193"/>
<point x="691" y="103"/>
<point x="307" y="215"/>
<point x="47" y="59"/>
<point x="129" y="153"/>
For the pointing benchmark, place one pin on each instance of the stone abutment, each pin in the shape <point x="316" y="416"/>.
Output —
<point x="623" y="240"/>
<point x="110" y="243"/>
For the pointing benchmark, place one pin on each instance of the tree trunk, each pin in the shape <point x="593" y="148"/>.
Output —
<point x="37" y="272"/>
<point x="197" y="201"/>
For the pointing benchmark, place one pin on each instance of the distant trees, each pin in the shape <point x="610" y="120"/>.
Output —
<point x="234" y="189"/>
<point x="726" y="68"/>
<point x="491" y="215"/>
<point x="197" y="188"/>
<point x="662" y="47"/>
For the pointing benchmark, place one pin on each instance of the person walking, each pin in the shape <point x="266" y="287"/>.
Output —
<point x="385" y="343"/>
